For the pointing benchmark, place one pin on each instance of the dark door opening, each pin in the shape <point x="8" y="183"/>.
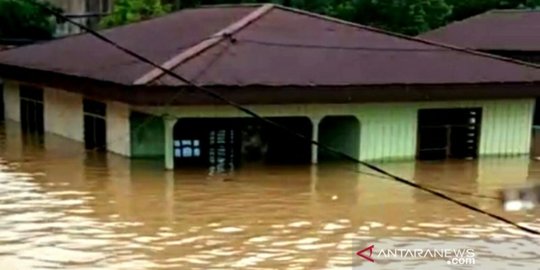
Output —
<point x="95" y="125"/>
<point x="284" y="148"/>
<point x="31" y="109"/>
<point x="341" y="133"/>
<point x="225" y="144"/>
<point x="448" y="133"/>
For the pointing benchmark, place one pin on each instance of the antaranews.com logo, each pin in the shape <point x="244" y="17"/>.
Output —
<point x="452" y="256"/>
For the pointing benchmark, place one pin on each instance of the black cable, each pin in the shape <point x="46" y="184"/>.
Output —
<point x="285" y="129"/>
<point x="330" y="47"/>
<point x="461" y="192"/>
<point x="175" y="96"/>
<point x="210" y="63"/>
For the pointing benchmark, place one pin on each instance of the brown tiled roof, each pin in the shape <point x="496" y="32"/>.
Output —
<point x="515" y="30"/>
<point x="246" y="61"/>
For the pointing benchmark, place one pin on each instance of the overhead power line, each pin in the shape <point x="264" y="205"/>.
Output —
<point x="336" y="47"/>
<point x="247" y="111"/>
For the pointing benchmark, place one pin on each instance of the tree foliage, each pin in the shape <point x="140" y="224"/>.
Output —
<point x="464" y="9"/>
<point x="404" y="16"/>
<point x="24" y="20"/>
<point x="128" y="11"/>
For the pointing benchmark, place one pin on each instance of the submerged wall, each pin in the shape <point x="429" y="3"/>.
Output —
<point x="389" y="130"/>
<point x="12" y="109"/>
<point x="391" y="133"/>
<point x="63" y="115"/>
<point x="118" y="128"/>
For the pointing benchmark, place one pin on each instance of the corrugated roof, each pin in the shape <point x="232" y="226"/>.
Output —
<point x="244" y="62"/>
<point x="516" y="30"/>
<point x="157" y="39"/>
<point x="413" y="62"/>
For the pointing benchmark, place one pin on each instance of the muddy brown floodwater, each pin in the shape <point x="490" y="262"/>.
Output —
<point x="63" y="209"/>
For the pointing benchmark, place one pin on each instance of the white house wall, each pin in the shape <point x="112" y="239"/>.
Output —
<point x="63" y="114"/>
<point x="12" y="101"/>
<point x="389" y="130"/>
<point x="118" y="129"/>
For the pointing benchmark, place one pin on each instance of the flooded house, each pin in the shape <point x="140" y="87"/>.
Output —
<point x="369" y="93"/>
<point x="507" y="33"/>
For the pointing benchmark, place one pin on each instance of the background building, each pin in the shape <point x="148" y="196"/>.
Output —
<point x="87" y="12"/>
<point x="508" y="33"/>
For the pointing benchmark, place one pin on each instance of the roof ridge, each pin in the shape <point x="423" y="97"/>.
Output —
<point x="204" y="45"/>
<point x="456" y="22"/>
<point x="515" y="10"/>
<point x="231" y="5"/>
<point x="402" y="36"/>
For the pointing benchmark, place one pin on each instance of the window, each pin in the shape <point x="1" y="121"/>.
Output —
<point x="222" y="148"/>
<point x="448" y="133"/>
<point x="187" y="148"/>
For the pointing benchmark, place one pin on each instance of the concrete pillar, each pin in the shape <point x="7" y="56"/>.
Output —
<point x="169" y="140"/>
<point x="315" y="137"/>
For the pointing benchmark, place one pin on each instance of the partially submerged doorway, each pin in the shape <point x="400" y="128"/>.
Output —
<point x="448" y="133"/>
<point x="95" y="125"/>
<point x="341" y="133"/>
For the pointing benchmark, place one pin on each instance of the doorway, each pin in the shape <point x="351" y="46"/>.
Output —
<point x="95" y="125"/>
<point x="448" y="133"/>
<point x="341" y="133"/>
<point x="31" y="109"/>
<point x="285" y="148"/>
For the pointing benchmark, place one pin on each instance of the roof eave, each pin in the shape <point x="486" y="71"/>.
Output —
<point x="151" y="95"/>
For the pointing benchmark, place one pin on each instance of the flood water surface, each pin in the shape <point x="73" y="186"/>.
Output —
<point x="63" y="209"/>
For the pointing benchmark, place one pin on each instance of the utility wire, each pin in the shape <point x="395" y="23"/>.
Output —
<point x="330" y="47"/>
<point x="239" y="107"/>
<point x="470" y="194"/>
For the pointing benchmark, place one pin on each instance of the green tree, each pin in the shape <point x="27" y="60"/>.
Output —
<point x="404" y="16"/>
<point x="128" y="11"/>
<point x="25" y="20"/>
<point x="465" y="9"/>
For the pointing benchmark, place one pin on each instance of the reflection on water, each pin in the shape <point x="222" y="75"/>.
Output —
<point x="60" y="208"/>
